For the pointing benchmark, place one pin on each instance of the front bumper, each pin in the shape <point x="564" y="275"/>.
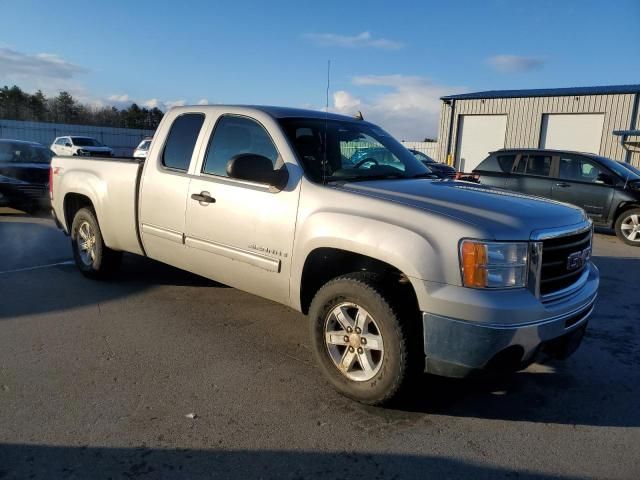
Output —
<point x="457" y="347"/>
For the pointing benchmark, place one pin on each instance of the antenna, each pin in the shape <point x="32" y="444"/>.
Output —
<point x="326" y="121"/>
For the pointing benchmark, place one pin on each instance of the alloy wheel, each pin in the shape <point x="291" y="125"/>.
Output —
<point x="354" y="341"/>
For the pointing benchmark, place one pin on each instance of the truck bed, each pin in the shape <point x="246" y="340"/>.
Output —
<point x="111" y="184"/>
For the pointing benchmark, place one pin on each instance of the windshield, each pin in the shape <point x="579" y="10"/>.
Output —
<point x="422" y="157"/>
<point x="24" y="153"/>
<point x="86" y="142"/>
<point x="620" y="169"/>
<point x="630" y="167"/>
<point x="353" y="150"/>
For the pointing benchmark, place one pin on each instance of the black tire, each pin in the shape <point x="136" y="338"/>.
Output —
<point x="105" y="261"/>
<point x="402" y="358"/>
<point x="622" y="232"/>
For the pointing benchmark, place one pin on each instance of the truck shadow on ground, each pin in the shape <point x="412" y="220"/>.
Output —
<point x="44" y="462"/>
<point x="61" y="287"/>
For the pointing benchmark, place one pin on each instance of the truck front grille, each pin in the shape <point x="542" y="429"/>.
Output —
<point x="563" y="261"/>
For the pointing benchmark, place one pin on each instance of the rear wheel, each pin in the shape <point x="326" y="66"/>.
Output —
<point x="361" y="345"/>
<point x="92" y="257"/>
<point x="628" y="227"/>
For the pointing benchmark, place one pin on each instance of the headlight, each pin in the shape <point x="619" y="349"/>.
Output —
<point x="493" y="264"/>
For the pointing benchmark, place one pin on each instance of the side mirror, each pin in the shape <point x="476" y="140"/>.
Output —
<point x="257" y="168"/>
<point x="68" y="144"/>
<point x="605" y="179"/>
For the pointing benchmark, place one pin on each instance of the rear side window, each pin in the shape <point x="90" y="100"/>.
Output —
<point x="181" y="141"/>
<point x="497" y="163"/>
<point x="233" y="136"/>
<point x="539" y="165"/>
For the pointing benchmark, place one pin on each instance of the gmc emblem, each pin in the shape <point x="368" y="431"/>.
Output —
<point x="578" y="259"/>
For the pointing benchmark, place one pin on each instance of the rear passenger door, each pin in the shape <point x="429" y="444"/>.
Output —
<point x="580" y="183"/>
<point x="163" y="192"/>
<point x="532" y="175"/>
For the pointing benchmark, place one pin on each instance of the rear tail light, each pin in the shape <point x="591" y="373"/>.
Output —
<point x="51" y="183"/>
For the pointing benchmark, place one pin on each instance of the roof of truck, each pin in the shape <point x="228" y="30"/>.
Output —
<point x="278" y="112"/>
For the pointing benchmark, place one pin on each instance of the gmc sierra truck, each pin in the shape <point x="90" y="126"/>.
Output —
<point x="398" y="271"/>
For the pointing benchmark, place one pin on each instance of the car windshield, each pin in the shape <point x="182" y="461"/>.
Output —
<point x="337" y="150"/>
<point x="630" y="167"/>
<point x="24" y="153"/>
<point x="617" y="167"/>
<point x="422" y="157"/>
<point x="86" y="142"/>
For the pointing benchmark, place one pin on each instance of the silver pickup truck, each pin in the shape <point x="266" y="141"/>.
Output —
<point x="398" y="271"/>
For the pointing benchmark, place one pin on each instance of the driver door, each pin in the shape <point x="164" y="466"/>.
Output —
<point x="242" y="233"/>
<point x="579" y="183"/>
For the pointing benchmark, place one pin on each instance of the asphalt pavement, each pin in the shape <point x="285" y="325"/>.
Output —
<point x="162" y="374"/>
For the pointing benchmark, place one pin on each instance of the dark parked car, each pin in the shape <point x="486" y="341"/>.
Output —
<point x="440" y="169"/>
<point x="24" y="175"/>
<point x="607" y="190"/>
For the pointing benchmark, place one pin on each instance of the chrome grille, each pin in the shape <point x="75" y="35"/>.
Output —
<point x="564" y="260"/>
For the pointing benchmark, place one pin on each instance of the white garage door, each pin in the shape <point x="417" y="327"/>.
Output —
<point x="575" y="131"/>
<point x="477" y="136"/>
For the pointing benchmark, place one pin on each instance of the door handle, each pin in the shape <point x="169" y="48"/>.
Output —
<point x="203" y="197"/>
<point x="563" y="185"/>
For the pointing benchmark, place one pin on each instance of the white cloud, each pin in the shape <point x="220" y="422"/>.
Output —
<point x="345" y="102"/>
<point x="17" y="65"/>
<point x="151" y="103"/>
<point x="203" y="101"/>
<point x="119" y="98"/>
<point x="410" y="109"/>
<point x="515" y="63"/>
<point x="175" y="103"/>
<point x="361" y="40"/>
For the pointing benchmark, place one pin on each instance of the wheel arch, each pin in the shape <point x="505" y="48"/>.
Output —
<point x="325" y="263"/>
<point x="623" y="207"/>
<point x="72" y="203"/>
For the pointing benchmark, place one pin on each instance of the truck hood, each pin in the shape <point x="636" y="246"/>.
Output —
<point x="502" y="214"/>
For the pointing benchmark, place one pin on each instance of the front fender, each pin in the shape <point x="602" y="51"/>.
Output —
<point x="404" y="249"/>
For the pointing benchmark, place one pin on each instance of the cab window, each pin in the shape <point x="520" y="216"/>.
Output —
<point x="181" y="141"/>
<point x="233" y="136"/>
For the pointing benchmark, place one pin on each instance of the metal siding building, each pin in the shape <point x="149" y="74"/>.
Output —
<point x="530" y="114"/>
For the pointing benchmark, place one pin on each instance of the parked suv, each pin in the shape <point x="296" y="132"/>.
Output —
<point x="607" y="190"/>
<point x="80" y="147"/>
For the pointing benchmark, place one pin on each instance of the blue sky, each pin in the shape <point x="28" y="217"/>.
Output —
<point x="392" y="60"/>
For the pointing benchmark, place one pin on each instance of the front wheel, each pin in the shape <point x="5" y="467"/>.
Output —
<point x="628" y="227"/>
<point x="359" y="341"/>
<point x="92" y="257"/>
